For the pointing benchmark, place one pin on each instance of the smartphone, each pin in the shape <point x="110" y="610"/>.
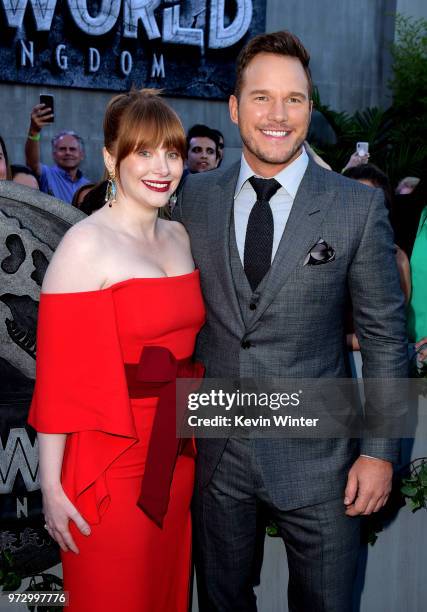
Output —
<point x="362" y="148"/>
<point x="48" y="100"/>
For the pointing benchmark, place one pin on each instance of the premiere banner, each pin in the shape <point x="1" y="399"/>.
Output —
<point x="186" y="47"/>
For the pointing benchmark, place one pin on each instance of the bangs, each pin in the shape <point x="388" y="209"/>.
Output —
<point x="149" y="123"/>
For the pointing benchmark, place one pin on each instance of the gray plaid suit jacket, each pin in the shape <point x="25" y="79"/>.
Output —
<point x="297" y="329"/>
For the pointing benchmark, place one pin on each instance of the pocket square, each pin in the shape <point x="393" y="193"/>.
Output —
<point x="320" y="253"/>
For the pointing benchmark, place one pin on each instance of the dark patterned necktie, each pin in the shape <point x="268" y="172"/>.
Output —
<point x="259" y="233"/>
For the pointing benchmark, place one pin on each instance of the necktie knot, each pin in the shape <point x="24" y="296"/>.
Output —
<point x="264" y="188"/>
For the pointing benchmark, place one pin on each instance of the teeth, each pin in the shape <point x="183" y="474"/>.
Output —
<point x="275" y="133"/>
<point x="160" y="185"/>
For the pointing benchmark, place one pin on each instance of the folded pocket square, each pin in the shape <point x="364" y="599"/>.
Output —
<point x="320" y="253"/>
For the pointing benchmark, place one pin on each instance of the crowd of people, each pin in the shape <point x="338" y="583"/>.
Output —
<point x="113" y="336"/>
<point x="64" y="178"/>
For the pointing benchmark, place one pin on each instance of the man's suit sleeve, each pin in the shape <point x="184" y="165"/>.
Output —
<point x="380" y="322"/>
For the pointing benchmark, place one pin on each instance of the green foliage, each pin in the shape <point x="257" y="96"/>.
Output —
<point x="271" y="529"/>
<point x="415" y="486"/>
<point x="397" y="136"/>
<point x="409" y="89"/>
<point x="9" y="578"/>
<point x="409" y="81"/>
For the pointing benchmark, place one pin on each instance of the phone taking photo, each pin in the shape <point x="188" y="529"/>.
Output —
<point x="49" y="102"/>
<point x="362" y="148"/>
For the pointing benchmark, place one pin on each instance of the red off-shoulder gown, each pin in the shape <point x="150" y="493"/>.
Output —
<point x="128" y="562"/>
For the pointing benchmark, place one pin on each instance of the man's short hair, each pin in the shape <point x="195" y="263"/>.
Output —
<point x="279" y="43"/>
<point x="202" y="131"/>
<point x="68" y="133"/>
<point x="220" y="136"/>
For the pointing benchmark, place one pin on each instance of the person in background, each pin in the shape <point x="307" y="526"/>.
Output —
<point x="406" y="214"/>
<point x="372" y="176"/>
<point x="63" y="178"/>
<point x="417" y="309"/>
<point x="355" y="161"/>
<point x="221" y="145"/>
<point x="94" y="199"/>
<point x="81" y="193"/>
<point x="5" y="171"/>
<point x="24" y="176"/>
<point x="202" y="149"/>
<point x="407" y="185"/>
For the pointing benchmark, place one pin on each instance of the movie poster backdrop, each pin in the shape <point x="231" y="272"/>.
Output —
<point x="187" y="47"/>
<point x="31" y="226"/>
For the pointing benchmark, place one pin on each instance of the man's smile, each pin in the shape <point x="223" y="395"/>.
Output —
<point x="276" y="133"/>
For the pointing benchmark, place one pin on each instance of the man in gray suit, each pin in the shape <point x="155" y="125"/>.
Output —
<point x="279" y="241"/>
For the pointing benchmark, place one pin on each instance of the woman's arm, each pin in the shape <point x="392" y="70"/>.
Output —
<point x="404" y="272"/>
<point x="74" y="268"/>
<point x="57" y="508"/>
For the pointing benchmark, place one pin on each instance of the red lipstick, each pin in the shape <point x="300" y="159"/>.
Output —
<point x="159" y="186"/>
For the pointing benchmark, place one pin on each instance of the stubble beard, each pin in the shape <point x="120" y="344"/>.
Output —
<point x="286" y="158"/>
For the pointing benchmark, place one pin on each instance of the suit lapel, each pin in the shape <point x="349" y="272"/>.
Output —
<point x="302" y="231"/>
<point x="220" y="209"/>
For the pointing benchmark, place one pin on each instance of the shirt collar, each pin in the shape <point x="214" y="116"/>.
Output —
<point x="289" y="178"/>
<point x="65" y="174"/>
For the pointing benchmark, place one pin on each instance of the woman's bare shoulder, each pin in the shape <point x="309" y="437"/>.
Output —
<point x="75" y="265"/>
<point x="177" y="231"/>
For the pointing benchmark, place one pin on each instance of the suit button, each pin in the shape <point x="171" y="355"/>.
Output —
<point x="252" y="306"/>
<point x="245" y="344"/>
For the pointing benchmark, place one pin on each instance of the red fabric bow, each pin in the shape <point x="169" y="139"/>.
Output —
<point x="155" y="376"/>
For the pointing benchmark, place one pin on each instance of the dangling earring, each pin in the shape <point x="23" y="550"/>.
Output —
<point x="110" y="195"/>
<point x="172" y="201"/>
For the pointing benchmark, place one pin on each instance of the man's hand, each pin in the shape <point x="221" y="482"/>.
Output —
<point x="41" y="115"/>
<point x="368" y="486"/>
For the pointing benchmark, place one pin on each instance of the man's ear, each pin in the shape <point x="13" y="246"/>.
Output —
<point x="109" y="161"/>
<point x="233" y="106"/>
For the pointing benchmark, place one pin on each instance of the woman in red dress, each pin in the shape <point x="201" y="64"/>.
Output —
<point x="119" y="312"/>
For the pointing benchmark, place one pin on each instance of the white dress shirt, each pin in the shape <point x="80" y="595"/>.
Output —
<point x="281" y="203"/>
